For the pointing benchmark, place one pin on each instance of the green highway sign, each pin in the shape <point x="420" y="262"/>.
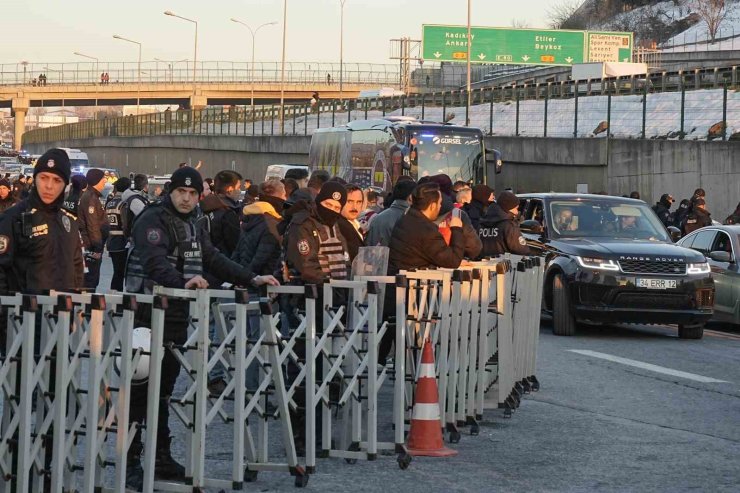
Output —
<point x="523" y="46"/>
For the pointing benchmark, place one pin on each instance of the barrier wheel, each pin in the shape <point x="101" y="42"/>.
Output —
<point x="250" y="476"/>
<point x="404" y="460"/>
<point x="454" y="436"/>
<point x="691" y="331"/>
<point x="563" y="321"/>
<point x="353" y="447"/>
<point x="301" y="480"/>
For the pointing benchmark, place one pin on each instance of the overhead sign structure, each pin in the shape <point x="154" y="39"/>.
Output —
<point x="523" y="46"/>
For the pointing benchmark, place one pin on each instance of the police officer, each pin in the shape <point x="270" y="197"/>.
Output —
<point x="94" y="225"/>
<point x="170" y="250"/>
<point x="663" y="209"/>
<point x="117" y="242"/>
<point x="77" y="187"/>
<point x="315" y="252"/>
<point x="6" y="198"/>
<point x="499" y="230"/>
<point x="698" y="217"/>
<point x="39" y="241"/>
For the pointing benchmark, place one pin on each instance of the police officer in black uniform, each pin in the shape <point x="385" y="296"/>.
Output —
<point x="6" y="198"/>
<point x="169" y="250"/>
<point x="94" y="225"/>
<point x="499" y="230"/>
<point x="117" y="243"/>
<point x="698" y="217"/>
<point x="39" y="240"/>
<point x="663" y="209"/>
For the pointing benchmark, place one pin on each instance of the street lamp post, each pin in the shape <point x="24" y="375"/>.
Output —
<point x="170" y="67"/>
<point x="470" y="42"/>
<point x="97" y="71"/>
<point x="138" y="72"/>
<point x="195" y="50"/>
<point x="341" y="48"/>
<point x="254" y="34"/>
<point x="282" y="70"/>
<point x="64" y="91"/>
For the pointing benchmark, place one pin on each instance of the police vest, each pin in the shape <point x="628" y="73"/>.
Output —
<point x="332" y="257"/>
<point x="186" y="256"/>
<point x="113" y="211"/>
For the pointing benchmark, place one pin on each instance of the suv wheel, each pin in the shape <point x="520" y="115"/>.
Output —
<point x="563" y="321"/>
<point x="691" y="331"/>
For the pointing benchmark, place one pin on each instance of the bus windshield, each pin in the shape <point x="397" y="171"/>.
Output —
<point x="455" y="154"/>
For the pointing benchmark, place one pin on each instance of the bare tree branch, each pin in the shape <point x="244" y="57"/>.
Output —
<point x="712" y="12"/>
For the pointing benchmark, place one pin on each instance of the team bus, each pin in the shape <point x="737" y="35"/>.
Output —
<point x="376" y="152"/>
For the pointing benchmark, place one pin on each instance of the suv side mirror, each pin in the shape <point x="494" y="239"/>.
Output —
<point x="721" y="256"/>
<point x="531" y="226"/>
<point x="494" y="156"/>
<point x="675" y="233"/>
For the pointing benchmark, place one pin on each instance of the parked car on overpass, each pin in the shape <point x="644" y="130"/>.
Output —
<point x="611" y="260"/>
<point x="721" y="247"/>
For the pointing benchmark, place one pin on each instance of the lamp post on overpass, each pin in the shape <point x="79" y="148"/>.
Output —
<point x="341" y="47"/>
<point x="170" y="63"/>
<point x="138" y="71"/>
<point x="282" y="70"/>
<point x="64" y="91"/>
<point x="195" y="51"/>
<point x="97" y="71"/>
<point x="254" y="34"/>
<point x="470" y="42"/>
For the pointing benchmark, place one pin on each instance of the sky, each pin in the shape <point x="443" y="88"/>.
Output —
<point x="50" y="31"/>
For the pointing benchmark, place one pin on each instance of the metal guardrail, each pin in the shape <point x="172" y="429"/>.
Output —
<point x="525" y="110"/>
<point x="206" y="71"/>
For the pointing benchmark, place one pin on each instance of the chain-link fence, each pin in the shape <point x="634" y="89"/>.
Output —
<point x="696" y="105"/>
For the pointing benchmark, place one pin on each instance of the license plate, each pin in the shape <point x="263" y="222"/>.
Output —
<point x="657" y="283"/>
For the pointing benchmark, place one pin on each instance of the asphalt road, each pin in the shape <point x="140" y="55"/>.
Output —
<point x="604" y="420"/>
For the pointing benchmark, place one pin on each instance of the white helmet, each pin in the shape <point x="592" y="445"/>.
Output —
<point x="142" y="339"/>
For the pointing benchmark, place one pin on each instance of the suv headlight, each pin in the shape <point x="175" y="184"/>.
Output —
<point x="597" y="263"/>
<point x="702" y="268"/>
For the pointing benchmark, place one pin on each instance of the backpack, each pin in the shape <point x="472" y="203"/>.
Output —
<point x="127" y="216"/>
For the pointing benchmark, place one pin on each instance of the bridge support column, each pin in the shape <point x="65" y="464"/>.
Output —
<point x="198" y="102"/>
<point x="20" y="108"/>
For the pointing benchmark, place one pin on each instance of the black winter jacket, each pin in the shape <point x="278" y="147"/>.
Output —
<point x="223" y="216"/>
<point x="39" y="248"/>
<point x="696" y="219"/>
<point x="93" y="220"/>
<point x="475" y="211"/>
<point x="662" y="210"/>
<point x="351" y="236"/>
<point x="7" y="203"/>
<point x="258" y="249"/>
<point x="416" y="243"/>
<point x="500" y="233"/>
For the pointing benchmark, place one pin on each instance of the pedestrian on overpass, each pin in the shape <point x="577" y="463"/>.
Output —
<point x="94" y="226"/>
<point x="170" y="250"/>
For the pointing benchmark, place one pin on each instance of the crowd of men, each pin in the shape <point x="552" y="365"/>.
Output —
<point x="201" y="233"/>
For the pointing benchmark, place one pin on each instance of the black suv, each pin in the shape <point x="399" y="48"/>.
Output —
<point x="610" y="259"/>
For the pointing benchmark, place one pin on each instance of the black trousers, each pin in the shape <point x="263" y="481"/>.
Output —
<point x="176" y="326"/>
<point x="92" y="276"/>
<point x="119" y="268"/>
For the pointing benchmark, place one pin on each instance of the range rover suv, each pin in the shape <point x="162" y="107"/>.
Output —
<point x="611" y="260"/>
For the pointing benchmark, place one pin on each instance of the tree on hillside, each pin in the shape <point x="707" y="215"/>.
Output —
<point x="712" y="12"/>
<point x="565" y="15"/>
<point x="519" y="23"/>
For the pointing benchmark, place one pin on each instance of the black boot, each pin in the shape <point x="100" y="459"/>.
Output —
<point x="134" y="471"/>
<point x="165" y="467"/>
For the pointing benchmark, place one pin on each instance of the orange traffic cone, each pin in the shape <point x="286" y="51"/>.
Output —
<point x="425" y="436"/>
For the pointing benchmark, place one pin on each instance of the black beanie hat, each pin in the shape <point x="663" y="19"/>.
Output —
<point x="122" y="184"/>
<point x="5" y="183"/>
<point x="403" y="189"/>
<point x="94" y="176"/>
<point x="54" y="161"/>
<point x="332" y="190"/>
<point x="482" y="193"/>
<point x="186" y="177"/>
<point x="507" y="200"/>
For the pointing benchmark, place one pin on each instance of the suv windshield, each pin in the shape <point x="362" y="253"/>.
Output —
<point x="592" y="218"/>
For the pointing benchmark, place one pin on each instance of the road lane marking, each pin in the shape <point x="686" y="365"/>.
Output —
<point x="647" y="366"/>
